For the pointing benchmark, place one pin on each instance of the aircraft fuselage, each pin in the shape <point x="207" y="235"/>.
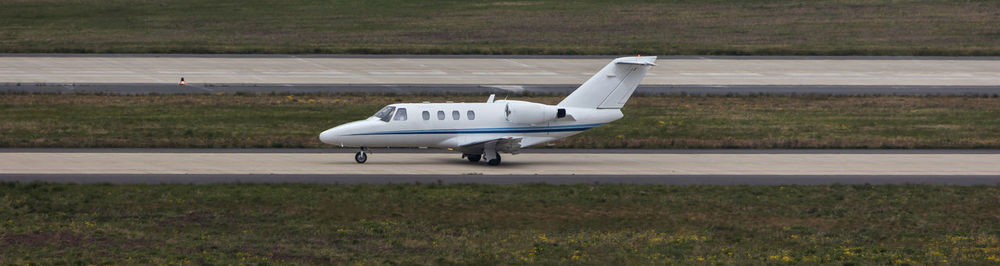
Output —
<point x="448" y="125"/>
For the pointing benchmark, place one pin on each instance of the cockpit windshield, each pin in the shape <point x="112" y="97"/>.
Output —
<point x="385" y="113"/>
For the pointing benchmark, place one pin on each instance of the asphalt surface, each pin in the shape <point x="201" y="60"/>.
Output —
<point x="474" y="56"/>
<point x="533" y="150"/>
<point x="625" y="166"/>
<point x="141" y="74"/>
<point x="504" y="179"/>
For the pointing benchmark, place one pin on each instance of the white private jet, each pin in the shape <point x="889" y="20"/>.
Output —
<point x="484" y="130"/>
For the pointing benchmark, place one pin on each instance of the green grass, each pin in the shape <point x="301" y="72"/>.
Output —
<point x="294" y="121"/>
<point x="714" y="27"/>
<point x="484" y="224"/>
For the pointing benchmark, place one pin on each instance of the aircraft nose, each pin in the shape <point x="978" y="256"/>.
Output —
<point x="344" y="134"/>
<point x="329" y="136"/>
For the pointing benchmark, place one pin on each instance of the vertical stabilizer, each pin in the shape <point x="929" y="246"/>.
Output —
<point x="611" y="87"/>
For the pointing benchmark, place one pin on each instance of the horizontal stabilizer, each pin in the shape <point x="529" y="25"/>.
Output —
<point x="641" y="63"/>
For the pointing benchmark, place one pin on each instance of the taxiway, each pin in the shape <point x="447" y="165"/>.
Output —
<point x="136" y="74"/>
<point x="560" y="168"/>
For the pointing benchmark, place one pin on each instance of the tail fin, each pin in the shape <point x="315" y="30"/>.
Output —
<point x="612" y="86"/>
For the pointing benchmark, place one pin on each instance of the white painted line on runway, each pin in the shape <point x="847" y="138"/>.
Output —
<point x="92" y="72"/>
<point x="408" y="73"/>
<point x="517" y="73"/>
<point x="304" y="73"/>
<point x="720" y="74"/>
<point x="820" y="74"/>
<point x="197" y="72"/>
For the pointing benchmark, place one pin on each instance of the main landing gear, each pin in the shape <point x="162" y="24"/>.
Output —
<point x="476" y="157"/>
<point x="490" y="153"/>
<point x="495" y="160"/>
<point x="361" y="156"/>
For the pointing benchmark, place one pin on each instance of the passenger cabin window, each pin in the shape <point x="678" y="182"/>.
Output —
<point x="400" y="115"/>
<point x="385" y="113"/>
<point x="440" y="115"/>
<point x="426" y="115"/>
<point x="471" y="115"/>
<point x="455" y="115"/>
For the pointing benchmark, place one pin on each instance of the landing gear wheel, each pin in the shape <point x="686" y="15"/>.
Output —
<point x="361" y="157"/>
<point x="473" y="157"/>
<point x="495" y="161"/>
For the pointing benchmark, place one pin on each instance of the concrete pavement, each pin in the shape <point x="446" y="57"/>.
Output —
<point x="168" y="69"/>
<point x="603" y="164"/>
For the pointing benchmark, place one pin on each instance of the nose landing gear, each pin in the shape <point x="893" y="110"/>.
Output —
<point x="361" y="156"/>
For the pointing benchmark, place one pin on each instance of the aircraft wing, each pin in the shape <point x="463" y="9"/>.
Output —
<point x="510" y="144"/>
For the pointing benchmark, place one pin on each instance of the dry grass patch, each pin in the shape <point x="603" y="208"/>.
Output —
<point x="488" y="224"/>
<point x="865" y="27"/>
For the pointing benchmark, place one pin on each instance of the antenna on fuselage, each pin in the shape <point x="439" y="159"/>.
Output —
<point x="492" y="96"/>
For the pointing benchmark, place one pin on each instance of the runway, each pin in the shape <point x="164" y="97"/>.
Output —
<point x="555" y="168"/>
<point x="480" y="74"/>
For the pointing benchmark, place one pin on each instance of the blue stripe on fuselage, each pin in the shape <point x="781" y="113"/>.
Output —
<point x="565" y="128"/>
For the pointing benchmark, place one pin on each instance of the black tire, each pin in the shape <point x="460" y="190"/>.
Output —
<point x="474" y="157"/>
<point x="495" y="161"/>
<point x="361" y="157"/>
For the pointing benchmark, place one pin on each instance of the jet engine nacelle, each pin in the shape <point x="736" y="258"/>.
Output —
<point x="532" y="113"/>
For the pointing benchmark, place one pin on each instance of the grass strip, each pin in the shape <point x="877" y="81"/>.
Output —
<point x="294" y="121"/>
<point x="484" y="224"/>
<point x="714" y="27"/>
